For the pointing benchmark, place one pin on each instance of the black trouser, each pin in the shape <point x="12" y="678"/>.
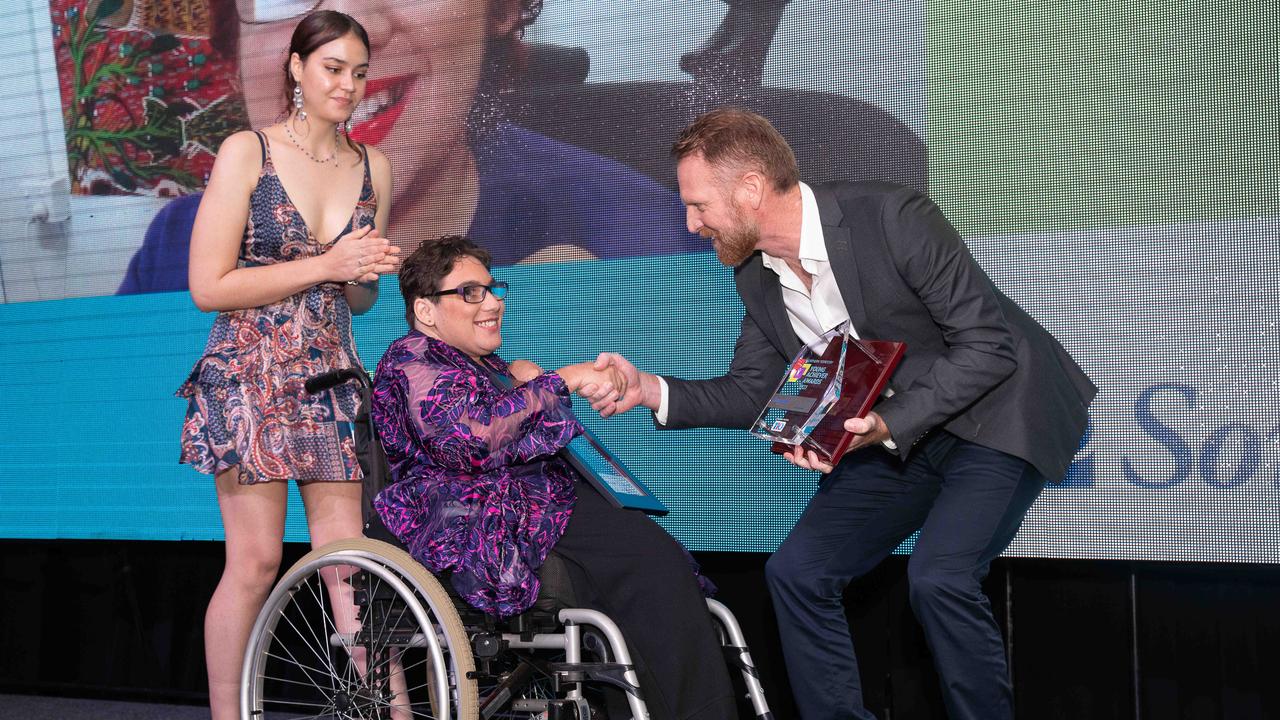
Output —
<point x="626" y="566"/>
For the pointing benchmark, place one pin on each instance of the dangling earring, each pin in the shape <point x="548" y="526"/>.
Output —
<point x="297" y="102"/>
<point x="346" y="126"/>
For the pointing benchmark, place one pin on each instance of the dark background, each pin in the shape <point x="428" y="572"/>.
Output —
<point x="1087" y="639"/>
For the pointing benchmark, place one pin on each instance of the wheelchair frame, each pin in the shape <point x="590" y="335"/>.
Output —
<point x="404" y="611"/>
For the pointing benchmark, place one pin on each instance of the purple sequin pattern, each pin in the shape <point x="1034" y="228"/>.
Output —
<point x="478" y="489"/>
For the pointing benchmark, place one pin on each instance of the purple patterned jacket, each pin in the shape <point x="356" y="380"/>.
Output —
<point x="477" y="486"/>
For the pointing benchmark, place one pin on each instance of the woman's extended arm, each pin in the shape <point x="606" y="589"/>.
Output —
<point x="465" y="424"/>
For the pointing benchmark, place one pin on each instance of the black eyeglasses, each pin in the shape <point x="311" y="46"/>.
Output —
<point x="474" y="294"/>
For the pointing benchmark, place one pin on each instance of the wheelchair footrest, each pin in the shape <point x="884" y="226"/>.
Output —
<point x="607" y="673"/>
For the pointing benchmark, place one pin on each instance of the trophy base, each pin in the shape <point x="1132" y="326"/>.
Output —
<point x="865" y="378"/>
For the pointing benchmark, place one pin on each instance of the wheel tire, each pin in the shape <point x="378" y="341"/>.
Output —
<point x="390" y="566"/>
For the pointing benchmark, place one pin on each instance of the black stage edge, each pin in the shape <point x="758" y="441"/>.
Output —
<point x="1088" y="639"/>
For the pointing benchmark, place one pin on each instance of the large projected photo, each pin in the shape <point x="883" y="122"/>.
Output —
<point x="1114" y="170"/>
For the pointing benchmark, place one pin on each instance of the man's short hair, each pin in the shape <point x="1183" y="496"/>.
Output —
<point x="422" y="271"/>
<point x="731" y="139"/>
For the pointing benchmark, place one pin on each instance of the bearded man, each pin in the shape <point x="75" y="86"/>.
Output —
<point x="985" y="407"/>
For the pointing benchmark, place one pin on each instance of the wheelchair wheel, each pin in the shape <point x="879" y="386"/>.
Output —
<point x="405" y="654"/>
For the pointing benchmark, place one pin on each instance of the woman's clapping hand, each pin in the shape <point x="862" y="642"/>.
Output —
<point x="361" y="256"/>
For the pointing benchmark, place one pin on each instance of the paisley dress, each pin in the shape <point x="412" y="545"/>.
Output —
<point x="246" y="403"/>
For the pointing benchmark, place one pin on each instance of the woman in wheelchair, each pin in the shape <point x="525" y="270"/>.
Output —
<point x="479" y="493"/>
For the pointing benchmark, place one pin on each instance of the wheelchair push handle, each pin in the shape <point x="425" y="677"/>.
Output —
<point x="369" y="454"/>
<point x="333" y="378"/>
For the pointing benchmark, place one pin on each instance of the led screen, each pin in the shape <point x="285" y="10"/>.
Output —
<point x="1113" y="167"/>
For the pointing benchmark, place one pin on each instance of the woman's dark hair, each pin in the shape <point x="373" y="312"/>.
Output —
<point x="313" y="31"/>
<point x="422" y="271"/>
<point x="224" y="30"/>
<point x="505" y="60"/>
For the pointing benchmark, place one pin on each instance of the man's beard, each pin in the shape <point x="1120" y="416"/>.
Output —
<point x="734" y="245"/>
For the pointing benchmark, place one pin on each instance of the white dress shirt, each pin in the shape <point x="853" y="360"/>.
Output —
<point x="814" y="310"/>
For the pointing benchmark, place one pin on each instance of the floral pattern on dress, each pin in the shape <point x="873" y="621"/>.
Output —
<point x="246" y="403"/>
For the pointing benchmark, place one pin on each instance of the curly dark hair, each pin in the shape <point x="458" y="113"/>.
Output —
<point x="529" y="11"/>
<point x="422" y="271"/>
<point x="505" y="61"/>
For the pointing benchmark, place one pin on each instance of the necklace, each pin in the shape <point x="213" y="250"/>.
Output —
<point x="333" y="157"/>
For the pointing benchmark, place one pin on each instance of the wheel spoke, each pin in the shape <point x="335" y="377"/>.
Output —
<point x="389" y="666"/>
<point x="287" y="681"/>
<point x="294" y="661"/>
<point x="315" y="643"/>
<point x="324" y="615"/>
<point x="299" y="703"/>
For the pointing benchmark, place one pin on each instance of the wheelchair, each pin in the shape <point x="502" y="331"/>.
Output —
<point x="415" y="649"/>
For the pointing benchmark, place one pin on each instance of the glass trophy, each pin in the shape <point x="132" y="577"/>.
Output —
<point x="832" y="379"/>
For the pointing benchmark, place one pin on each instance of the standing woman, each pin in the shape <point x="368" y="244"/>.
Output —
<point x="287" y="244"/>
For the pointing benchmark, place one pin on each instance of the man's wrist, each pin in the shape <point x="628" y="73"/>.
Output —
<point x="650" y="391"/>
<point x="664" y="398"/>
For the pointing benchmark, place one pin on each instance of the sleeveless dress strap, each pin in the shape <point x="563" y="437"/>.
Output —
<point x="262" y="143"/>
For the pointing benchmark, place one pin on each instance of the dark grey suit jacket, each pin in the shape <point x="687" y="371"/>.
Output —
<point x="976" y="364"/>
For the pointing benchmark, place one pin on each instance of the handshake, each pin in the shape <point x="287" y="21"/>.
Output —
<point x="611" y="384"/>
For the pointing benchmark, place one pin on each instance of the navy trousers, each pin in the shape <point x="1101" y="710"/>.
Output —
<point x="967" y="501"/>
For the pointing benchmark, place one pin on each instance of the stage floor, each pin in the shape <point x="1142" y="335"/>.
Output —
<point x="36" y="707"/>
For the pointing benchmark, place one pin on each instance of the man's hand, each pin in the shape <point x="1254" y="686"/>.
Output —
<point x="807" y="459"/>
<point x="524" y="371"/>
<point x="641" y="388"/>
<point x="869" y="430"/>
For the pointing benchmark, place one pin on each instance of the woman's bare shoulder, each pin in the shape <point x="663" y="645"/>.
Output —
<point x="241" y="141"/>
<point x="378" y="161"/>
<point x="241" y="151"/>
